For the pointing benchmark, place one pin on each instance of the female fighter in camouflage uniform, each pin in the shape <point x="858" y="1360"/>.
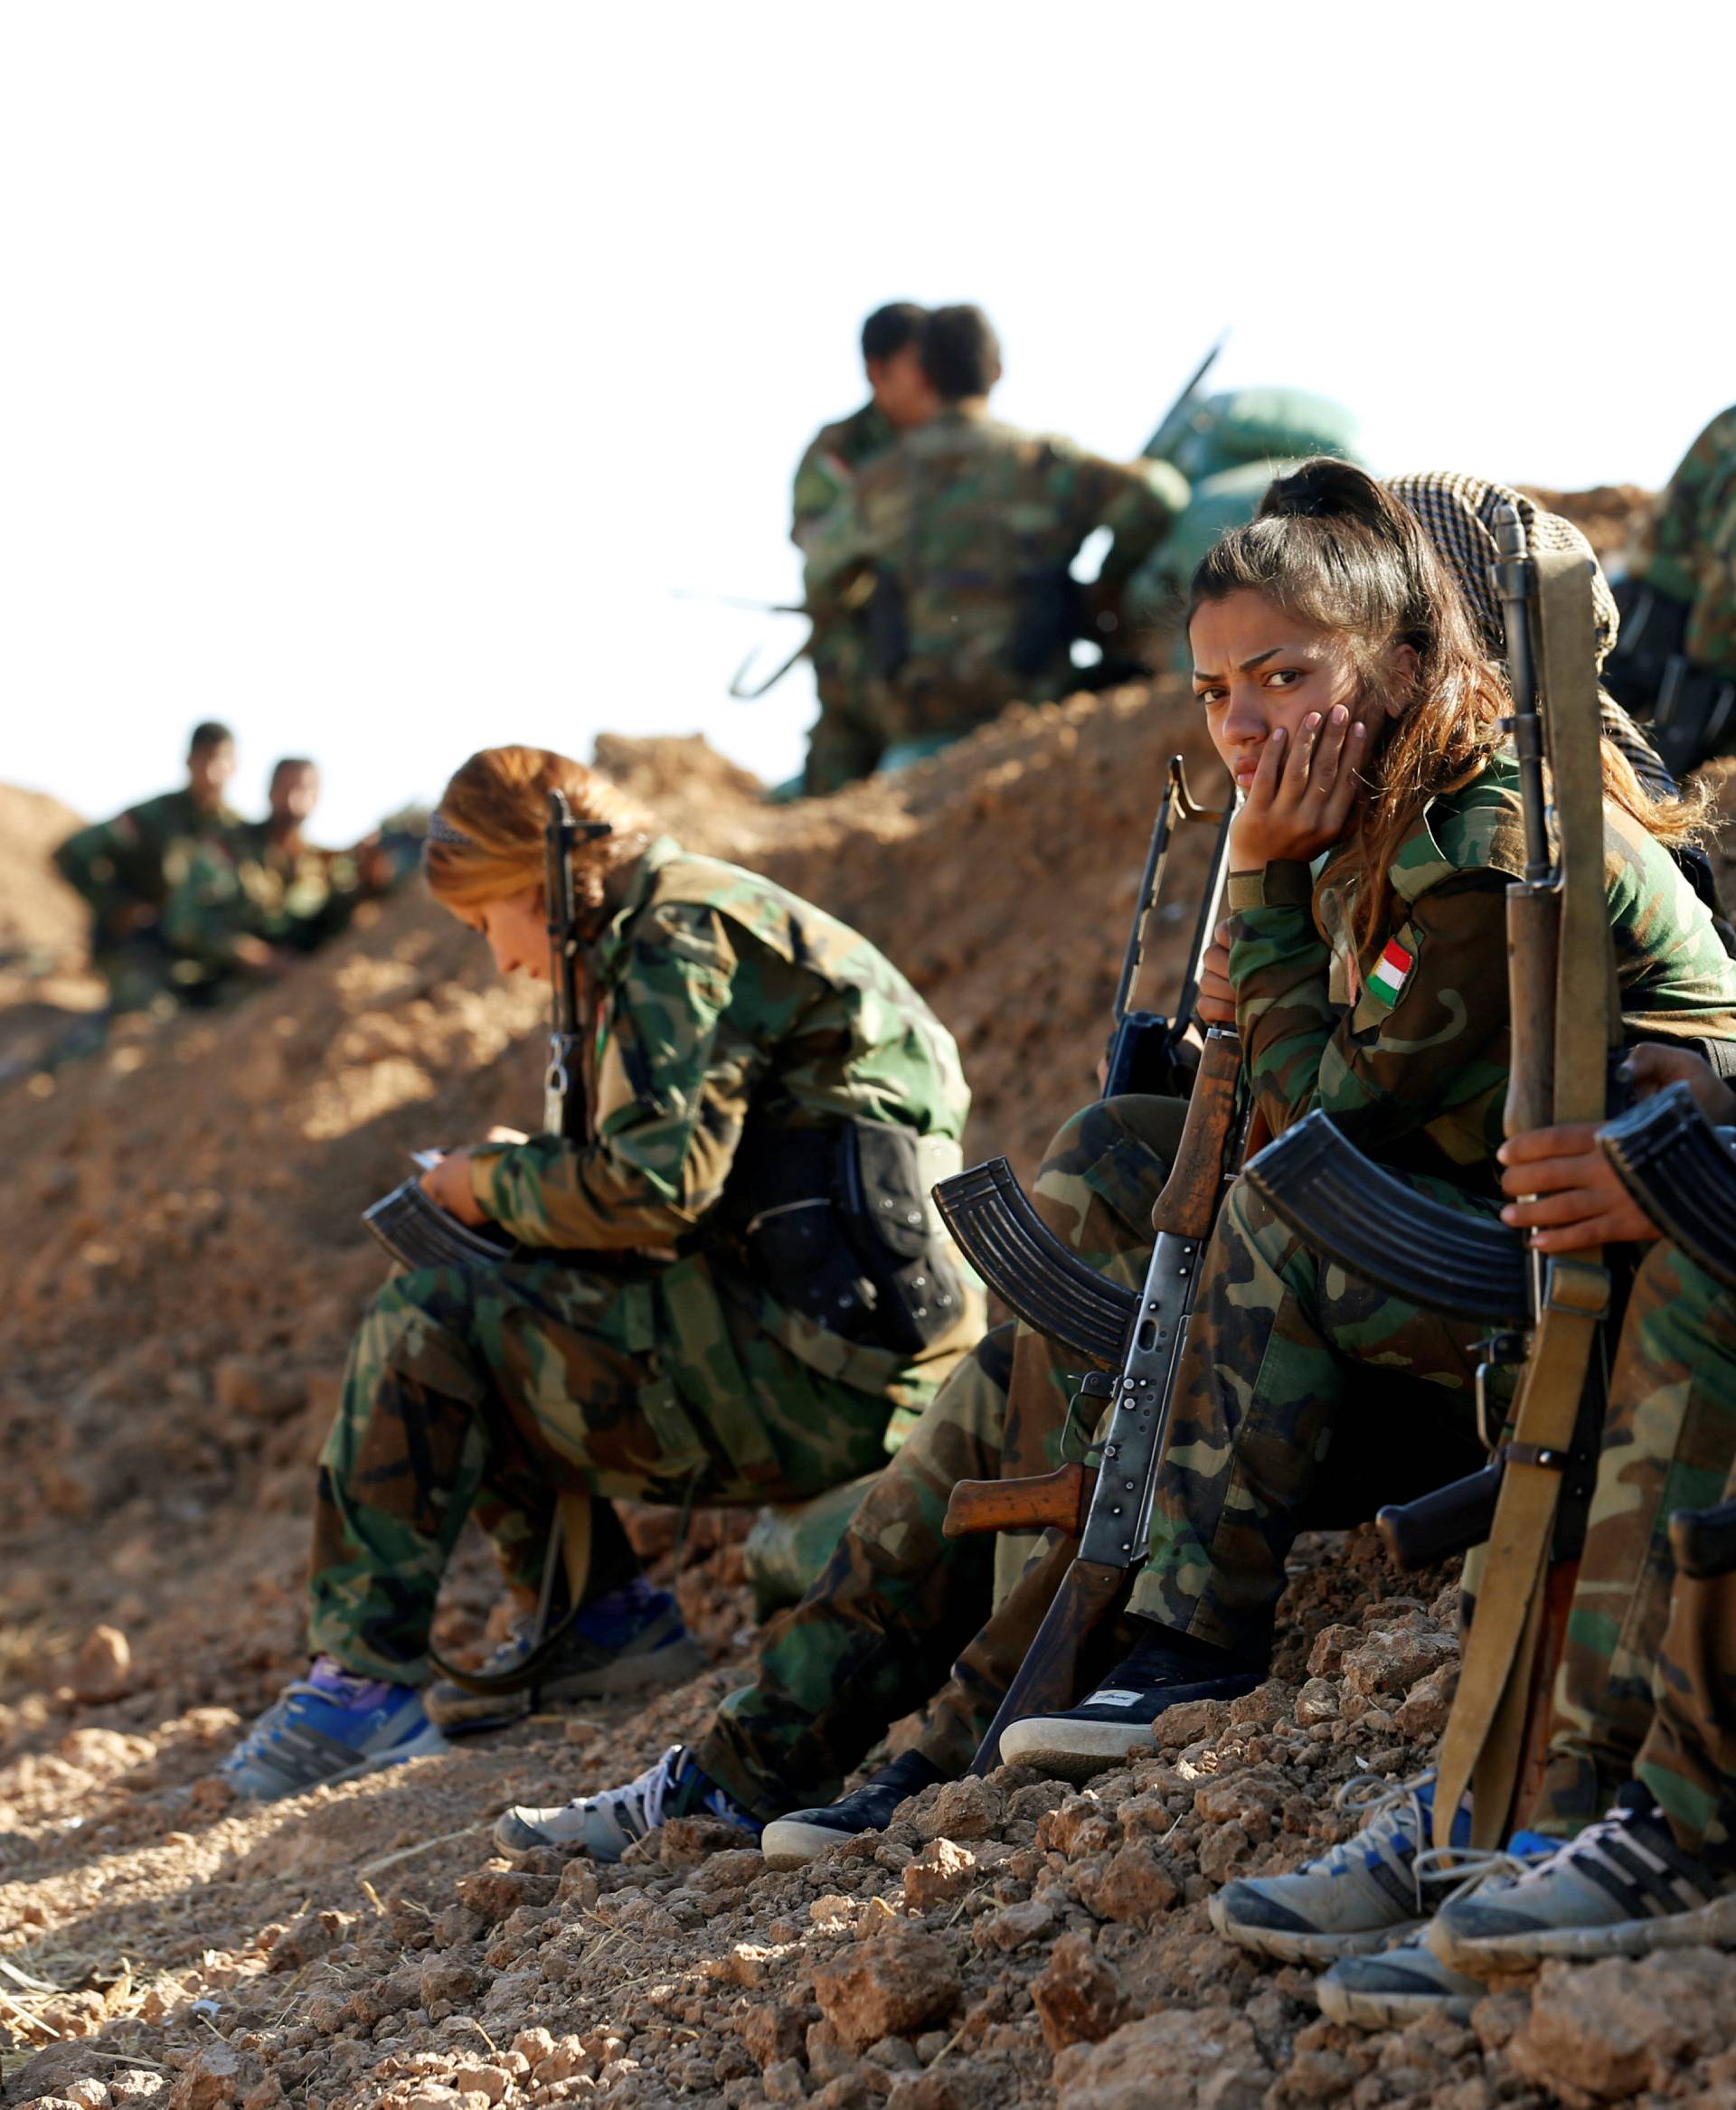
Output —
<point x="1346" y="688"/>
<point x="725" y="1293"/>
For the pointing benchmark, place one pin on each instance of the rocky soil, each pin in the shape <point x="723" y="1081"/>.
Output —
<point x="182" y="1268"/>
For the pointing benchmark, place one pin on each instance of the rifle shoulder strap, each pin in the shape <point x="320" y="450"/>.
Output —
<point x="1483" y="1744"/>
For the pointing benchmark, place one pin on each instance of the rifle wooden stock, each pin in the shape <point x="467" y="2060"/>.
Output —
<point x="1189" y="1201"/>
<point x="1043" y="1501"/>
<point x="1533" y="950"/>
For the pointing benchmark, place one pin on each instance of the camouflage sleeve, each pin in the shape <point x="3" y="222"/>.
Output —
<point x="834" y="545"/>
<point x="1137" y="503"/>
<point x="84" y="860"/>
<point x="1428" y="1029"/>
<point x="678" y="1065"/>
<point x="822" y="479"/>
<point x="1680" y="528"/>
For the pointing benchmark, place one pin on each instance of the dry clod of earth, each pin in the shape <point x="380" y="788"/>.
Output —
<point x="183" y="1270"/>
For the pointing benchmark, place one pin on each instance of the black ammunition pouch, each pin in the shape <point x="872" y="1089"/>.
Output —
<point x="1048" y="614"/>
<point x="888" y="625"/>
<point x="1147" y="1055"/>
<point x="837" y="1224"/>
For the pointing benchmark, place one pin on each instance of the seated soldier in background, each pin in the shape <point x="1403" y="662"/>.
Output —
<point x="844" y="742"/>
<point x="124" y="869"/>
<point x="249" y="904"/>
<point x="726" y="1294"/>
<point x="1677" y="664"/>
<point x="968" y="529"/>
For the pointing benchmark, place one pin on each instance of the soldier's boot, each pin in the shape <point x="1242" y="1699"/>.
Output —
<point x="328" y="1726"/>
<point x="605" y="1825"/>
<point x="1621" y="1888"/>
<point x="803" y="1835"/>
<point x="1114" y="1723"/>
<point x="630" y="1641"/>
<point x="1376" y="1887"/>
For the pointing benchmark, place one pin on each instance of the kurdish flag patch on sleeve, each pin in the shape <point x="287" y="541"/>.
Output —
<point x="1390" y="973"/>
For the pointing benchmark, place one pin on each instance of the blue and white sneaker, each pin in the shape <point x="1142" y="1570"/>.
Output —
<point x="627" y="1642"/>
<point x="1365" y="1893"/>
<point x="1622" y="1887"/>
<point x="329" y="1726"/>
<point x="606" y="1824"/>
<point x="1399" y="1985"/>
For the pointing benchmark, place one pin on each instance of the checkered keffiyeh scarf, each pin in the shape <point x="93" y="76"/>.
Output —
<point x="1458" y="515"/>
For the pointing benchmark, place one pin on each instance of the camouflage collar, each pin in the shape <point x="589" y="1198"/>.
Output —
<point x="1479" y="826"/>
<point x="629" y="889"/>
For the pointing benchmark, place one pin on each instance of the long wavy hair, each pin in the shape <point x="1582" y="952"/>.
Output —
<point x="1337" y="552"/>
<point x="498" y="803"/>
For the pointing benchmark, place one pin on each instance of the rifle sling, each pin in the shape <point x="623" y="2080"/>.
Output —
<point x="1486" y="1735"/>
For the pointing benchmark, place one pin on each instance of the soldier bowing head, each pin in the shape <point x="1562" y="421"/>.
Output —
<point x="487" y="844"/>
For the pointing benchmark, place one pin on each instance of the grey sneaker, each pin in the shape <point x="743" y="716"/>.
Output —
<point x="1362" y="1895"/>
<point x="1394" y="1987"/>
<point x="1622" y="1887"/>
<point x="606" y="1824"/>
<point x="627" y="1642"/>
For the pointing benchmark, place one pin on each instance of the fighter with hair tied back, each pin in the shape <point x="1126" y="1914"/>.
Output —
<point x="725" y="1292"/>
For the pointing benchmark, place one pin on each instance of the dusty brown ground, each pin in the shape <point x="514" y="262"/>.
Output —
<point x="183" y="1265"/>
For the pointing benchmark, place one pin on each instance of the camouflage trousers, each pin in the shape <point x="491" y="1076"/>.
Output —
<point x="1255" y="1420"/>
<point x="1648" y="1671"/>
<point x="847" y="739"/>
<point x="492" y="1390"/>
<point x="1279" y="1345"/>
<point x="899" y="1606"/>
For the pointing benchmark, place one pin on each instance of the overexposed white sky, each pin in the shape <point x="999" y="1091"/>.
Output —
<point x="374" y="369"/>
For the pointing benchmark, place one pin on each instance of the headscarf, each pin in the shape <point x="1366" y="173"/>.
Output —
<point x="1458" y="516"/>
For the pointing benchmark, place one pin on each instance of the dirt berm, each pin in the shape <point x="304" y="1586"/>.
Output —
<point x="183" y="1268"/>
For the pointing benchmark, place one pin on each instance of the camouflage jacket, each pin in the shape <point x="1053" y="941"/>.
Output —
<point x="974" y="524"/>
<point x="1408" y="1050"/>
<point x="126" y="864"/>
<point x="1690" y="551"/>
<point x="828" y="468"/>
<point x="717" y="995"/>
<point x="244" y="885"/>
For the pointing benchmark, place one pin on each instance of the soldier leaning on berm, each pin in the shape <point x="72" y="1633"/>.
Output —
<point x="729" y="1291"/>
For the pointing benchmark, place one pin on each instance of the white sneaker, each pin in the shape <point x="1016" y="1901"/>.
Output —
<point x="606" y="1824"/>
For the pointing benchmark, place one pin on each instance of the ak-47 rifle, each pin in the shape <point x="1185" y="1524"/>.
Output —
<point x="1107" y="1509"/>
<point x="1681" y="1171"/>
<point x="1145" y="1052"/>
<point x="1157" y="447"/>
<point x="1565" y="1022"/>
<point x="416" y="1231"/>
